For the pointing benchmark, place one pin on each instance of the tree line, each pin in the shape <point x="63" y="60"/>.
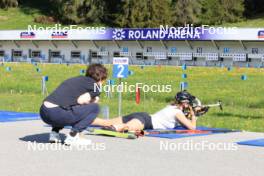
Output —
<point x="144" y="13"/>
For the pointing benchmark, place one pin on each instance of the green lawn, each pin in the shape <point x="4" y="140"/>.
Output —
<point x="243" y="100"/>
<point x="251" y="23"/>
<point x="17" y="18"/>
<point x="21" y="18"/>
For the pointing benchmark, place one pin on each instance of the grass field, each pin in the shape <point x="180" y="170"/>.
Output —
<point x="21" y="18"/>
<point x="20" y="90"/>
<point x="18" y="18"/>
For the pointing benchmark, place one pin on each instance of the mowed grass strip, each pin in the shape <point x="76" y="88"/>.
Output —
<point x="20" y="90"/>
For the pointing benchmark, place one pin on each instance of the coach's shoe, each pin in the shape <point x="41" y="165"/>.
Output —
<point x="77" y="140"/>
<point x="54" y="137"/>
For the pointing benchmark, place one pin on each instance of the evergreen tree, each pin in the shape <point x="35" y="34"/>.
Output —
<point x="253" y="7"/>
<point x="160" y="13"/>
<point x="79" y="11"/>
<point x="144" y="13"/>
<point x="186" y="12"/>
<point x="221" y="11"/>
<point x="233" y="10"/>
<point x="112" y="10"/>
<point x="8" y="3"/>
<point x="92" y="11"/>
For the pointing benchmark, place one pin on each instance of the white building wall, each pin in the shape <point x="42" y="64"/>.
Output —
<point x="85" y="47"/>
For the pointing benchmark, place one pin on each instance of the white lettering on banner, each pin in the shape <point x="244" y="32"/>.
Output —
<point x="60" y="28"/>
<point x="120" y="61"/>
<point x="187" y="32"/>
<point x="172" y="33"/>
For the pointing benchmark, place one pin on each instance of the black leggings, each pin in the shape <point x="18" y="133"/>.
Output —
<point x="79" y="117"/>
<point x="143" y="117"/>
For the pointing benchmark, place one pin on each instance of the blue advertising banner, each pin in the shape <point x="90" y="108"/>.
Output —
<point x="133" y="34"/>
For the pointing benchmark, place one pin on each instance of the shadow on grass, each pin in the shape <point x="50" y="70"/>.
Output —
<point x="169" y="99"/>
<point x="228" y="114"/>
<point x="38" y="138"/>
<point x="30" y="7"/>
<point x="258" y="105"/>
<point x="28" y="10"/>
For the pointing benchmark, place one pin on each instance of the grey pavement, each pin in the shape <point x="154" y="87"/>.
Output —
<point x="212" y="155"/>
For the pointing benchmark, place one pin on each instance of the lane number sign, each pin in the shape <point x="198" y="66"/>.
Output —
<point x="120" y="67"/>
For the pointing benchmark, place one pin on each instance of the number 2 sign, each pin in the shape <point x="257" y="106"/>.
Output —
<point x="120" y="67"/>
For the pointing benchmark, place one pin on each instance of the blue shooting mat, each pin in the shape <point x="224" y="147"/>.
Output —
<point x="9" y="116"/>
<point x="255" y="142"/>
<point x="182" y="135"/>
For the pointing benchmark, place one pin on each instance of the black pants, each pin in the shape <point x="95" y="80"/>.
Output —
<point x="79" y="117"/>
<point x="143" y="117"/>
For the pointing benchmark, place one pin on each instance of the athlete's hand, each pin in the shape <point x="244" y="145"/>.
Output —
<point x="191" y="112"/>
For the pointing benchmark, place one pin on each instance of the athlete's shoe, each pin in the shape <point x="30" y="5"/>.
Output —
<point x="54" y="137"/>
<point x="77" y="140"/>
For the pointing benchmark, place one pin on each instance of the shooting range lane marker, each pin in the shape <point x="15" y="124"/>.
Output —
<point x="105" y="111"/>
<point x="110" y="83"/>
<point x="137" y="95"/>
<point x="119" y="97"/>
<point x="8" y="69"/>
<point x="120" y="70"/>
<point x="38" y="70"/>
<point x="244" y="77"/>
<point x="44" y="89"/>
<point x="184" y="67"/>
<point x="130" y="73"/>
<point x="159" y="68"/>
<point x="82" y="72"/>
<point x="184" y="84"/>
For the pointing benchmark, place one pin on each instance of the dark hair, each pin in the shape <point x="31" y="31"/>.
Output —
<point x="97" y="71"/>
<point x="174" y="103"/>
<point x="183" y="96"/>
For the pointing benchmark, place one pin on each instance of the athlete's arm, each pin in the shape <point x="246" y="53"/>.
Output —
<point x="190" y="124"/>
